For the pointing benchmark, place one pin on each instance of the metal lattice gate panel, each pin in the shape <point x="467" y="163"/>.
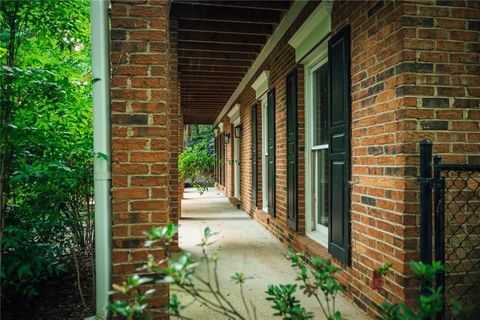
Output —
<point x="459" y="205"/>
<point x="453" y="214"/>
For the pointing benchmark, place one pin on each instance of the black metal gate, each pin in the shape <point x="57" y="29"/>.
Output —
<point x="453" y="213"/>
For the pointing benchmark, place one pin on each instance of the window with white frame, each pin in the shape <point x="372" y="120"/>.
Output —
<point x="317" y="148"/>
<point x="263" y="102"/>
<point x="260" y="86"/>
<point x="326" y="58"/>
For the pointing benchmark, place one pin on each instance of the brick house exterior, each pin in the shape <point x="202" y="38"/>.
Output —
<point x="414" y="74"/>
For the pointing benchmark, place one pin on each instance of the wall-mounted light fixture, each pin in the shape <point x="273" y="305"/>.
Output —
<point x="227" y="138"/>
<point x="238" y="131"/>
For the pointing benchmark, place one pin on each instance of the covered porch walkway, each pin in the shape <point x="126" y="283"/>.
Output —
<point x="244" y="246"/>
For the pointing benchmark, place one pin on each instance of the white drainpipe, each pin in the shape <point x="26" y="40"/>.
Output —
<point x="101" y="144"/>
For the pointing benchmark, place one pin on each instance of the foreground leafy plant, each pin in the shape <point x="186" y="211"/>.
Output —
<point x="430" y="301"/>
<point x="284" y="301"/>
<point x="378" y="276"/>
<point x="137" y="308"/>
<point x="181" y="272"/>
<point x="317" y="279"/>
<point x="206" y="288"/>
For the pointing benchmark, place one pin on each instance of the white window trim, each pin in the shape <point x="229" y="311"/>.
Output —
<point x="312" y="62"/>
<point x="263" y="103"/>
<point x="313" y="30"/>
<point x="234" y="113"/>
<point x="261" y="84"/>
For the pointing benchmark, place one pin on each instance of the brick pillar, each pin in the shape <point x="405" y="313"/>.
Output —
<point x="414" y="76"/>
<point x="181" y="184"/>
<point x="175" y="123"/>
<point x="142" y="122"/>
<point x="384" y="225"/>
<point x="441" y="91"/>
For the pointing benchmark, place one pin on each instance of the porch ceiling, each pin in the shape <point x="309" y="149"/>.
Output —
<point x="217" y="43"/>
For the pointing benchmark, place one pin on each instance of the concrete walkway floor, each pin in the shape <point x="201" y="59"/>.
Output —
<point x="244" y="246"/>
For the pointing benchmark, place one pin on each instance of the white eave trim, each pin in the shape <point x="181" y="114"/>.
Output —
<point x="317" y="26"/>
<point x="261" y="84"/>
<point x="234" y="113"/>
<point x="220" y="127"/>
<point x="277" y="35"/>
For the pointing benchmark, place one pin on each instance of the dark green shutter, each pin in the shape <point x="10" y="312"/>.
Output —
<point x="254" y="156"/>
<point x="339" y="141"/>
<point x="271" y="151"/>
<point x="292" y="150"/>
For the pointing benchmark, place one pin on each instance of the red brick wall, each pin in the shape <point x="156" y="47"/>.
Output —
<point x="414" y="75"/>
<point x="181" y="184"/>
<point x="379" y="220"/>
<point x="144" y="132"/>
<point x="247" y="100"/>
<point x="176" y="124"/>
<point x="442" y="42"/>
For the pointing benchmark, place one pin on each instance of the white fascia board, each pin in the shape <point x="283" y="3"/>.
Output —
<point x="277" y="35"/>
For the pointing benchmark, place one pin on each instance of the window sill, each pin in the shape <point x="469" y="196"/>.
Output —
<point x="235" y="201"/>
<point x="262" y="216"/>
<point x="313" y="248"/>
<point x="262" y="212"/>
<point x="319" y="237"/>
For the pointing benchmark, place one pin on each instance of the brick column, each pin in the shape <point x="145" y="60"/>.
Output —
<point x="414" y="76"/>
<point x="142" y="120"/>
<point x="175" y="123"/>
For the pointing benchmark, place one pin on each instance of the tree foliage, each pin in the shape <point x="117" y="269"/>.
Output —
<point x="46" y="138"/>
<point x="197" y="162"/>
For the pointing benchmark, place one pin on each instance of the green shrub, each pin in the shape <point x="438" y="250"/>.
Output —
<point x="197" y="164"/>
<point x="45" y="138"/>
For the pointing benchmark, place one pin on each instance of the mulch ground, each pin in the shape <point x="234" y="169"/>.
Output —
<point x="58" y="298"/>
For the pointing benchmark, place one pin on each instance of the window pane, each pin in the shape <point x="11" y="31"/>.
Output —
<point x="320" y="105"/>
<point x="321" y="178"/>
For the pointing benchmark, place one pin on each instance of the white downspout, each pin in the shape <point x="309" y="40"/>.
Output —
<point x="101" y="144"/>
